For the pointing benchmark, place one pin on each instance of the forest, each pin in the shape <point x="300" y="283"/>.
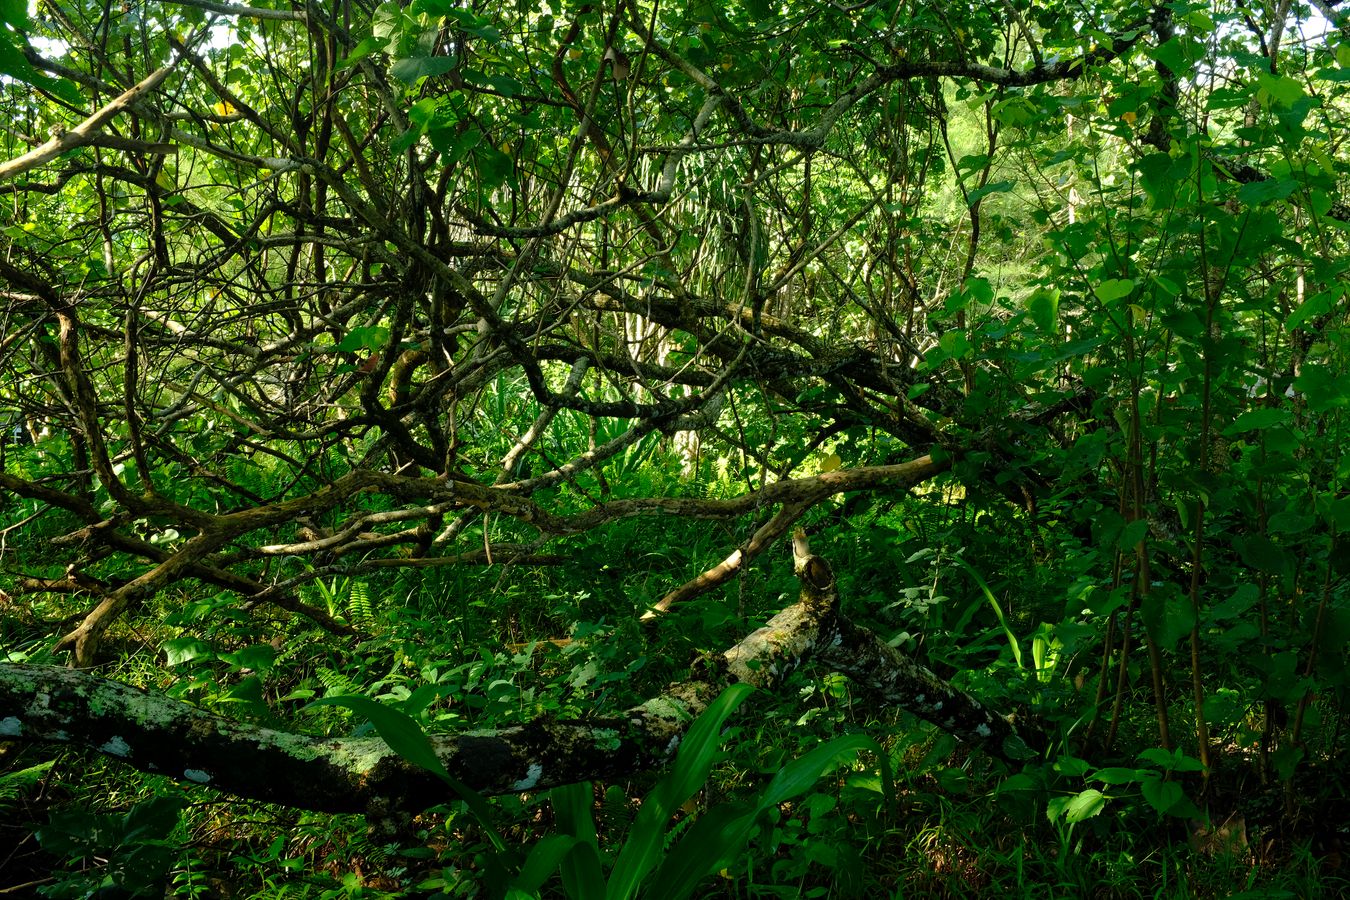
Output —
<point x="674" y="448"/>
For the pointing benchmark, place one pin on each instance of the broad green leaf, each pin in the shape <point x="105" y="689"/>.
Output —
<point x="1161" y="795"/>
<point x="955" y="343"/>
<point x="1243" y="599"/>
<point x="1324" y="388"/>
<point x="1257" y="192"/>
<point x="1262" y="554"/>
<point x="1285" y="760"/>
<point x="1258" y="420"/>
<point x="997" y="187"/>
<point x="153" y="818"/>
<point x="1170" y="760"/>
<point x="406" y="738"/>
<point x="185" y="649"/>
<point x="718" y="835"/>
<point x="713" y="841"/>
<point x="581" y="872"/>
<point x="693" y="761"/>
<point x="1021" y="781"/>
<point x="14" y="65"/>
<point x="368" y="45"/>
<point x="1043" y="307"/>
<point x="1314" y="307"/>
<point x="542" y="861"/>
<point x="410" y="69"/>
<point x="1132" y="534"/>
<point x="1114" y="289"/>
<point x="1155" y="170"/>
<point x="399" y="730"/>
<point x="1280" y="89"/>
<point x="1083" y="805"/>
<point x="1071" y="766"/>
<point x="802" y="773"/>
<point x="368" y="337"/>
<point x="258" y="656"/>
<point x="14" y="13"/>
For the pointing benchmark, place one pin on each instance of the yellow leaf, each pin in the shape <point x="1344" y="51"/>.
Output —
<point x="831" y="463"/>
<point x="223" y="108"/>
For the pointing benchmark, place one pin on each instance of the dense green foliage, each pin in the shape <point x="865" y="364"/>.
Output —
<point x="410" y="353"/>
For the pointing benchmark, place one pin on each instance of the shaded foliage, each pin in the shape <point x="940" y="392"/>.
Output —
<point x="469" y="358"/>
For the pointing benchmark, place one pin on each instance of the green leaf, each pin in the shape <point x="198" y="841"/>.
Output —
<point x="996" y="606"/>
<point x="185" y="649"/>
<point x="997" y="187"/>
<point x="455" y="147"/>
<point x="258" y="656"/>
<point x="1243" y="599"/>
<point x="1131" y="535"/>
<point x="1257" y="192"/>
<point x="14" y="13"/>
<point x="1161" y="795"/>
<point x="1290" y="522"/>
<point x="406" y="738"/>
<point x="583" y="875"/>
<point x="1314" y="307"/>
<point x="1285" y="759"/>
<point x="1155" y="171"/>
<point x="693" y="762"/>
<point x="1262" y="554"/>
<point x="1043" y="307"/>
<point x="1083" y="805"/>
<point x="955" y="343"/>
<point x="16" y="66"/>
<point x="1114" y="289"/>
<point x="399" y="730"/>
<point x="409" y="69"/>
<point x="1324" y="389"/>
<point x="581" y="872"/>
<point x="1018" y="782"/>
<point x="541" y="862"/>
<point x="1117" y="775"/>
<point x="494" y="166"/>
<point x="368" y="45"/>
<point x="1170" y="760"/>
<point x="713" y="841"/>
<point x="953" y="781"/>
<point x="153" y="818"/>
<point x="1071" y="766"/>
<point x="1173" y="54"/>
<point x="802" y="773"/>
<point x="718" y="835"/>
<point x="1280" y="89"/>
<point x="368" y="337"/>
<point x="1333" y="75"/>
<point x="1258" y="420"/>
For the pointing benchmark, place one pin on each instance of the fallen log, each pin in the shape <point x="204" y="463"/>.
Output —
<point x="154" y="733"/>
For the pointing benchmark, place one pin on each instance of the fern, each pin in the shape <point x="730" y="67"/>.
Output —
<point x="15" y="785"/>
<point x="335" y="682"/>
<point x="359" y="607"/>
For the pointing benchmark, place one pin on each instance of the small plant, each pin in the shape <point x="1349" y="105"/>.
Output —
<point x="129" y="854"/>
<point x="651" y="859"/>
